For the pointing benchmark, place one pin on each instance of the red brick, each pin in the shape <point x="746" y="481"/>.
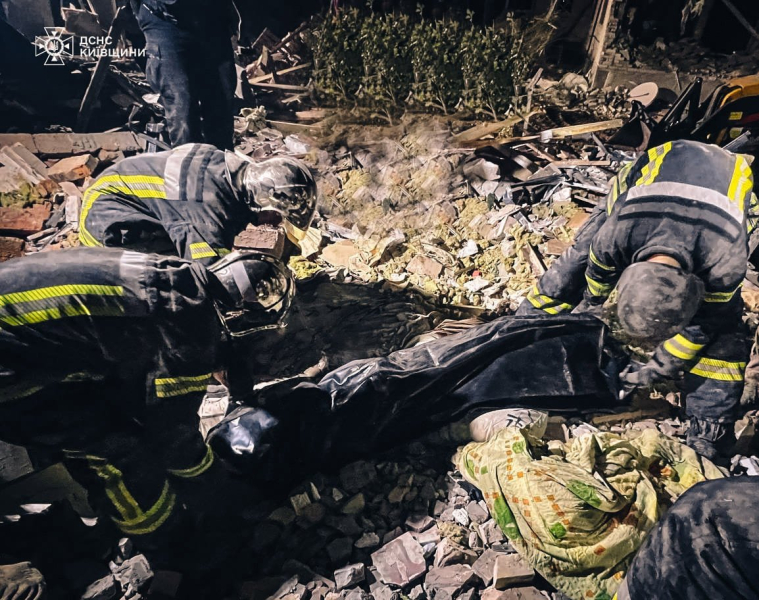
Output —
<point x="10" y="248"/>
<point x="21" y="222"/>
<point x="265" y="239"/>
<point x="73" y="168"/>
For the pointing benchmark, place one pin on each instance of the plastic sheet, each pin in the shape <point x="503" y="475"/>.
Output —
<point x="370" y="405"/>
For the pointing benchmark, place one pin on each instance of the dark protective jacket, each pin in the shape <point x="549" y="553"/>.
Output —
<point x="107" y="313"/>
<point x="184" y="194"/>
<point x="687" y="200"/>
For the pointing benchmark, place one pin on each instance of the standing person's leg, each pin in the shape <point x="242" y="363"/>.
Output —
<point x="216" y="80"/>
<point x="705" y="547"/>
<point x="170" y="60"/>
<point x="713" y="389"/>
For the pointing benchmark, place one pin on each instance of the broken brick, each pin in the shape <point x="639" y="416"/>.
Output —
<point x="422" y="265"/>
<point x="106" y="588"/>
<point x="264" y="239"/>
<point x="349" y="576"/>
<point x="22" y="222"/>
<point x="65" y="144"/>
<point x="510" y="570"/>
<point x="445" y="583"/>
<point x="340" y="253"/>
<point x="26" y="139"/>
<point x="73" y="168"/>
<point x="11" y="248"/>
<point x="578" y="220"/>
<point x="401" y="561"/>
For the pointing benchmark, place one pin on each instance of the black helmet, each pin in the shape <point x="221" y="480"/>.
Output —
<point x="259" y="290"/>
<point x="655" y="301"/>
<point x="280" y="184"/>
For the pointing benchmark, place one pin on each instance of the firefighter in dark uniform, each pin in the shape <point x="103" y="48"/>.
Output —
<point x="105" y="355"/>
<point x="194" y="200"/>
<point x="671" y="236"/>
<point x="190" y="63"/>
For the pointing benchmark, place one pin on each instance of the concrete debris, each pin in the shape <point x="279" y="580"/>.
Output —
<point x="133" y="574"/>
<point x="106" y="588"/>
<point x="510" y="570"/>
<point x="349" y="576"/>
<point x="446" y="583"/>
<point x="400" y="562"/>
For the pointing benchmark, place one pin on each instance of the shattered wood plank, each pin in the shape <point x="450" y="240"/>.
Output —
<point x="635" y="415"/>
<point x="571" y="163"/>
<point x="287" y="127"/>
<point x="316" y="114"/>
<point x="267" y="76"/>
<point x="281" y="86"/>
<point x="533" y="257"/>
<point x="266" y="38"/>
<point x="290" y="36"/>
<point x="479" y="131"/>
<point x="59" y="145"/>
<point x="101" y="68"/>
<point x="568" y="131"/>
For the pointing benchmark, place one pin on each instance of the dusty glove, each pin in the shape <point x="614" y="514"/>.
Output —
<point x="21" y="581"/>
<point x="636" y="375"/>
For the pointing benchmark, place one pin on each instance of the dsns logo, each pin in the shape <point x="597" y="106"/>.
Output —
<point x="54" y="45"/>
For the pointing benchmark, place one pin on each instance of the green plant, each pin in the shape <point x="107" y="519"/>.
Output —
<point x="389" y="63"/>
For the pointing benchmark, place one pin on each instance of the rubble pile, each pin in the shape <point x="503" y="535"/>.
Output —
<point x="573" y="92"/>
<point x="390" y="529"/>
<point x="42" y="180"/>
<point x="686" y="56"/>
<point x="472" y="229"/>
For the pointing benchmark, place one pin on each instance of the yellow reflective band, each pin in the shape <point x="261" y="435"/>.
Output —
<point x="596" y="288"/>
<point x="223" y="251"/>
<point x="598" y="263"/>
<point x="741" y="182"/>
<point x="547" y="304"/>
<point x="149" y="521"/>
<point x="619" y="186"/>
<point x="720" y="296"/>
<point x="56" y="291"/>
<point x="683" y="348"/>
<point x="109" y="184"/>
<point x="656" y="156"/>
<point x="52" y="314"/>
<point x="198" y="469"/>
<point x="178" y="386"/>
<point x="555" y="310"/>
<point x="201" y="250"/>
<point x="721" y="370"/>
<point x="686" y="343"/>
<point x="115" y="488"/>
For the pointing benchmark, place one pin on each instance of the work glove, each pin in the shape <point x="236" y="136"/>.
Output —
<point x="636" y="375"/>
<point x="21" y="580"/>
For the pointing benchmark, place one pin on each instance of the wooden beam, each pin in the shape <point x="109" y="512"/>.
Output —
<point x="741" y="19"/>
<point x="267" y="76"/>
<point x="601" y="43"/>
<point x="101" y="69"/>
<point x="281" y="86"/>
<point x="480" y="131"/>
<point x="569" y="131"/>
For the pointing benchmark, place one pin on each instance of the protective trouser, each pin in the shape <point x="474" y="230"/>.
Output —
<point x="713" y="386"/>
<point x="705" y="547"/>
<point x="134" y="465"/>
<point x="194" y="72"/>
